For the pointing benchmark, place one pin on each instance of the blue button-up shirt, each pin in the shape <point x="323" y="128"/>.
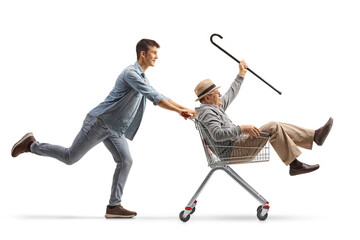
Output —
<point x="123" y="108"/>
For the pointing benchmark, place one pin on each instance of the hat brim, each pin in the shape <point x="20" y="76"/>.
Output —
<point x="207" y="93"/>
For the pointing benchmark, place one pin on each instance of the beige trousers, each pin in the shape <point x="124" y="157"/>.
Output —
<point x="285" y="139"/>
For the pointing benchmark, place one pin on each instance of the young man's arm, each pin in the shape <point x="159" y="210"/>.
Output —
<point x="135" y="81"/>
<point x="192" y="112"/>
<point x="169" y="105"/>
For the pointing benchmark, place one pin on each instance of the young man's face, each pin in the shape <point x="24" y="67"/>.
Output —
<point x="151" y="56"/>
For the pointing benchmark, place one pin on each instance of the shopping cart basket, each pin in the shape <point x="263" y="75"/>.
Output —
<point x="220" y="155"/>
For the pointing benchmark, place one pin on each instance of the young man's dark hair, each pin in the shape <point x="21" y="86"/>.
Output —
<point x="143" y="45"/>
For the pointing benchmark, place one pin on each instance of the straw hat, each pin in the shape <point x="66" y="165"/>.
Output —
<point x="204" y="88"/>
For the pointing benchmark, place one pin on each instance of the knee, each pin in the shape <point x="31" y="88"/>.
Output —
<point x="124" y="163"/>
<point x="270" y="127"/>
<point x="71" y="158"/>
<point x="70" y="161"/>
<point x="273" y="124"/>
<point x="128" y="163"/>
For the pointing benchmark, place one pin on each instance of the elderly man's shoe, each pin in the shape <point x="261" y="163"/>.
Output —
<point x="323" y="132"/>
<point x="118" y="212"/>
<point x="23" y="145"/>
<point x="297" y="167"/>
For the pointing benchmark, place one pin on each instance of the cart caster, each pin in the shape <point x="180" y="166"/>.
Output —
<point x="259" y="216"/>
<point x="193" y="210"/>
<point x="182" y="218"/>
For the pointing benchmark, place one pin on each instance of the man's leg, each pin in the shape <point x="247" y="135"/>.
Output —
<point x="92" y="132"/>
<point x="245" y="149"/>
<point x="285" y="139"/>
<point x="119" y="148"/>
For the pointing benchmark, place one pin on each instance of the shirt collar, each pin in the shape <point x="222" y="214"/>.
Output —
<point x="140" y="69"/>
<point x="213" y="105"/>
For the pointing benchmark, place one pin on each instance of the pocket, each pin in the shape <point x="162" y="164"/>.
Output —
<point x="101" y="123"/>
<point x="88" y="119"/>
<point x="88" y="122"/>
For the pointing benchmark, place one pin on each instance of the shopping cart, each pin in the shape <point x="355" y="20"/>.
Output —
<point x="220" y="155"/>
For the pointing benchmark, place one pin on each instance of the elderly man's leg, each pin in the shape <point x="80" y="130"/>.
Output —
<point x="285" y="139"/>
<point x="245" y="149"/>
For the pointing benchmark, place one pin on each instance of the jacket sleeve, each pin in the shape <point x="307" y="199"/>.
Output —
<point x="134" y="80"/>
<point x="218" y="131"/>
<point x="233" y="91"/>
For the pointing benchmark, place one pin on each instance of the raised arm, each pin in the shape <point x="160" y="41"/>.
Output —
<point x="234" y="89"/>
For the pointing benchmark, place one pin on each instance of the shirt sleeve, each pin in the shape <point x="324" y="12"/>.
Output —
<point x="217" y="131"/>
<point x="134" y="80"/>
<point x="233" y="91"/>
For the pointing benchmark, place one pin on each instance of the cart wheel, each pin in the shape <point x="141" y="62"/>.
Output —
<point x="259" y="208"/>
<point x="262" y="218"/>
<point x="181" y="216"/>
<point x="193" y="210"/>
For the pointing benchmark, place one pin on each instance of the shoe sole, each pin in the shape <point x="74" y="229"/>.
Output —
<point x="304" y="172"/>
<point x="20" y="141"/>
<point x="331" y="121"/>
<point x="118" y="216"/>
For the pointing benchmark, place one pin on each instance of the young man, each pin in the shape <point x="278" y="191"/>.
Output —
<point x="285" y="138"/>
<point x="118" y="117"/>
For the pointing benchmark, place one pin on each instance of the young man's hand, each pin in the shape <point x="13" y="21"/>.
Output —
<point x="187" y="113"/>
<point x="192" y="112"/>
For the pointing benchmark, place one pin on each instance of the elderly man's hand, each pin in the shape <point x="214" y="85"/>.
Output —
<point x="242" y="68"/>
<point x="251" y="130"/>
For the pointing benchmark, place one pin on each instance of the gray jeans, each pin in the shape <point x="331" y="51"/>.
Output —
<point x="93" y="132"/>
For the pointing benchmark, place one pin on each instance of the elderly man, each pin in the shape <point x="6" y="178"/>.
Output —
<point x="285" y="138"/>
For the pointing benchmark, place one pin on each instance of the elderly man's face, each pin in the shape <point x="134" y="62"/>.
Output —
<point x="214" y="98"/>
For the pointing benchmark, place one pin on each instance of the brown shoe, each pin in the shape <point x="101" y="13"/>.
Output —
<point x="323" y="132"/>
<point x="23" y="145"/>
<point x="301" y="168"/>
<point x="118" y="212"/>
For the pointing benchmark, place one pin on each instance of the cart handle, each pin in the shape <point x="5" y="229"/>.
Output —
<point x="186" y="115"/>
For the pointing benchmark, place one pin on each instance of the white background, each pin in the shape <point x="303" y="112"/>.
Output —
<point x="59" y="59"/>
